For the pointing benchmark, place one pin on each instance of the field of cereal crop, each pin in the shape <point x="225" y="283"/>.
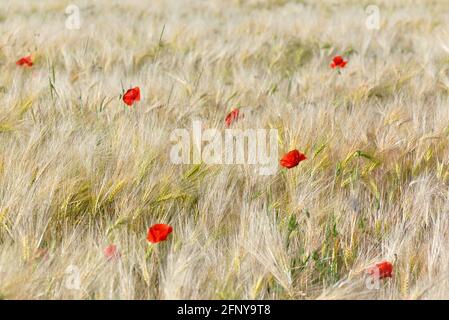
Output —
<point x="93" y="204"/>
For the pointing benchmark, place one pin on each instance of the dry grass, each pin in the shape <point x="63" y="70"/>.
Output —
<point x="79" y="170"/>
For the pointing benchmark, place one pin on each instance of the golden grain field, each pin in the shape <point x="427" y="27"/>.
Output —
<point x="80" y="170"/>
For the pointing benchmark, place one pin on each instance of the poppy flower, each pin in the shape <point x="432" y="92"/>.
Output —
<point x="131" y="96"/>
<point x="233" y="115"/>
<point x="338" y="62"/>
<point x="292" y="158"/>
<point x="25" y="61"/>
<point x="158" y="232"/>
<point x="382" y="270"/>
<point x="111" y="252"/>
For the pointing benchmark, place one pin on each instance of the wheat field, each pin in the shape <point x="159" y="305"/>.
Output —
<point x="80" y="170"/>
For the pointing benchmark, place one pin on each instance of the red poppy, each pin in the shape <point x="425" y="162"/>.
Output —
<point x="158" y="232"/>
<point x="25" y="61"/>
<point x="292" y="158"/>
<point x="131" y="96"/>
<point x="111" y="252"/>
<point x="338" y="62"/>
<point x="40" y="253"/>
<point x="382" y="270"/>
<point x="233" y="115"/>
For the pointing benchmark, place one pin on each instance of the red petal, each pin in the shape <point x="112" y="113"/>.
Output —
<point x="137" y="93"/>
<point x="338" y="61"/>
<point x="25" y="61"/>
<point x="292" y="159"/>
<point x="111" y="252"/>
<point x="382" y="270"/>
<point x="158" y="232"/>
<point x="233" y="115"/>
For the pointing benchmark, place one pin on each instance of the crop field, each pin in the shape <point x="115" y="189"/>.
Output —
<point x="96" y="202"/>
